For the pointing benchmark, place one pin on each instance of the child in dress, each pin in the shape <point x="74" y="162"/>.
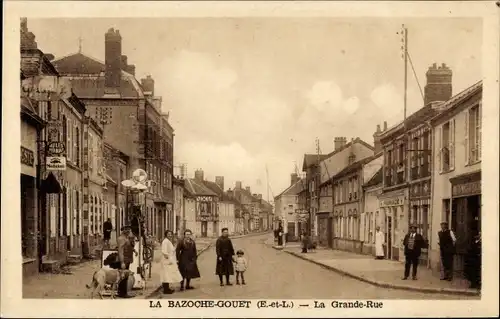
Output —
<point x="241" y="267"/>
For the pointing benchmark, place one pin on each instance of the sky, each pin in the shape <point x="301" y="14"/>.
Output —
<point x="249" y="93"/>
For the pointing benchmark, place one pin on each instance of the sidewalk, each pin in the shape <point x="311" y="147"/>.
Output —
<point x="382" y="273"/>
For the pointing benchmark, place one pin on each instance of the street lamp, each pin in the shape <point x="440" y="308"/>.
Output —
<point x="138" y="184"/>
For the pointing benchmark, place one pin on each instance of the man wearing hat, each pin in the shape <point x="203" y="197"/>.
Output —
<point x="126" y="256"/>
<point x="413" y="244"/>
<point x="446" y="244"/>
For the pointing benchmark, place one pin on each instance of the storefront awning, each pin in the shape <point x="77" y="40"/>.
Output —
<point x="51" y="185"/>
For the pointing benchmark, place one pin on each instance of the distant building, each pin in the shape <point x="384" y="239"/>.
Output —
<point x="287" y="208"/>
<point x="370" y="216"/>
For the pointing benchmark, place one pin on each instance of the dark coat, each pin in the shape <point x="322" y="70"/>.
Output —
<point x="186" y="256"/>
<point x="446" y="245"/>
<point x="473" y="261"/>
<point x="225" y="251"/>
<point x="107" y="227"/>
<point x="417" y="246"/>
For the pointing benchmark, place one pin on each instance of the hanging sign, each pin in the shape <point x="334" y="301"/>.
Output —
<point x="56" y="163"/>
<point x="56" y="148"/>
<point x="27" y="157"/>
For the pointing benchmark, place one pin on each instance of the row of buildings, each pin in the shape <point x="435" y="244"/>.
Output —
<point x="422" y="171"/>
<point x="86" y="126"/>
<point x="206" y="207"/>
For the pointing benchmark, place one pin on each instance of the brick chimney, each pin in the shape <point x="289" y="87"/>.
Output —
<point x="294" y="178"/>
<point x="376" y="140"/>
<point x="237" y="185"/>
<point x="385" y="126"/>
<point x="198" y="175"/>
<point x="27" y="37"/>
<point x="113" y="60"/>
<point x="339" y="142"/>
<point x="148" y="85"/>
<point x="219" y="180"/>
<point x="230" y="193"/>
<point x="438" y="87"/>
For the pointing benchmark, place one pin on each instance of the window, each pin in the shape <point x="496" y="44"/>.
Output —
<point x="473" y="134"/>
<point x="445" y="150"/>
<point x="426" y="155"/>
<point x="446" y="210"/>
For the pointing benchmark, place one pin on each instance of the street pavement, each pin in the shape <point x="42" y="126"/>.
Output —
<point x="275" y="274"/>
<point x="71" y="283"/>
<point x="384" y="273"/>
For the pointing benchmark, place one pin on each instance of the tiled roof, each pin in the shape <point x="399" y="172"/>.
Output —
<point x="375" y="180"/>
<point x="455" y="101"/>
<point x="195" y="187"/>
<point x="86" y="75"/>
<point x="294" y="189"/>
<point x="354" y="166"/>
<point x="312" y="159"/>
<point x="220" y="193"/>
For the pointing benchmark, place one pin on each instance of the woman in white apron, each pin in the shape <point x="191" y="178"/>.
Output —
<point x="379" y="244"/>
<point x="169" y="269"/>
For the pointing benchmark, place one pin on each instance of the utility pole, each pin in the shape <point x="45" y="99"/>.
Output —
<point x="404" y="34"/>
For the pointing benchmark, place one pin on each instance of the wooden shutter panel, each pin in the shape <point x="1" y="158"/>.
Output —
<point x="75" y="212"/>
<point x="452" y="144"/>
<point x="466" y="138"/>
<point x="62" y="209"/>
<point x="479" y="122"/>
<point x="440" y="148"/>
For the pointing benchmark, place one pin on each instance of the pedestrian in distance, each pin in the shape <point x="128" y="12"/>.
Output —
<point x="187" y="256"/>
<point x="169" y="269"/>
<point x="280" y="235"/>
<point x="413" y="244"/>
<point x="241" y="267"/>
<point x="446" y="244"/>
<point x="107" y="229"/>
<point x="379" y="244"/>
<point x="225" y="254"/>
<point x="305" y="241"/>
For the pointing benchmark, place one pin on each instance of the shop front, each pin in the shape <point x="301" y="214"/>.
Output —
<point x="393" y="211"/>
<point x="465" y="214"/>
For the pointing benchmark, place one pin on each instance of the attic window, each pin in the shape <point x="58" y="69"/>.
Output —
<point x="352" y="158"/>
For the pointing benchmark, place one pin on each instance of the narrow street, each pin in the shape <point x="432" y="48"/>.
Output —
<point x="275" y="274"/>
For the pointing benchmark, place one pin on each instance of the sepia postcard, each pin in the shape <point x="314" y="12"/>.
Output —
<point x="230" y="159"/>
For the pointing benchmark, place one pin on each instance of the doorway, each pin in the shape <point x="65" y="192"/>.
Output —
<point x="204" y="227"/>
<point x="388" y="238"/>
<point x="329" y="234"/>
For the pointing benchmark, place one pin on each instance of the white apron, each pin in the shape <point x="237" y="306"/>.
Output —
<point x="169" y="269"/>
<point x="379" y="242"/>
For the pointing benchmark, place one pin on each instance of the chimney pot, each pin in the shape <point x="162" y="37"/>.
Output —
<point x="113" y="59"/>
<point x="439" y="84"/>
<point x="378" y="128"/>
<point x="385" y="126"/>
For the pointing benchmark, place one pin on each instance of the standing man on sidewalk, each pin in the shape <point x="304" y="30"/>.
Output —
<point x="126" y="256"/>
<point x="446" y="244"/>
<point x="225" y="254"/>
<point x="107" y="229"/>
<point x="413" y="243"/>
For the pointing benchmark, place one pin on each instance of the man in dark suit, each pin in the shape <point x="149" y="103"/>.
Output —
<point x="413" y="244"/>
<point x="446" y="244"/>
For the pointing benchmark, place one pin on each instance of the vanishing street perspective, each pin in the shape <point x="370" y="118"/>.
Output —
<point x="249" y="158"/>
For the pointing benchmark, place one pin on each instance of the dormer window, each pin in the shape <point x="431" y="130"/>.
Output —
<point x="352" y="158"/>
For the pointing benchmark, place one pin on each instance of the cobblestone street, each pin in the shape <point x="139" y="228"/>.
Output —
<point x="276" y="274"/>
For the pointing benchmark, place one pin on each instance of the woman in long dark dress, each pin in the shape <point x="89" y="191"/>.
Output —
<point x="473" y="262"/>
<point x="225" y="253"/>
<point x="186" y="257"/>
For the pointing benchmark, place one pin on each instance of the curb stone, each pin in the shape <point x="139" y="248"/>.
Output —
<point x="157" y="290"/>
<point x="383" y="284"/>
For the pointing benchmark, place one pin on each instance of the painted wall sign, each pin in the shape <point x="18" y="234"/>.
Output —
<point x="56" y="163"/>
<point x="204" y="199"/>
<point x="467" y="189"/>
<point x="390" y="202"/>
<point x="27" y="157"/>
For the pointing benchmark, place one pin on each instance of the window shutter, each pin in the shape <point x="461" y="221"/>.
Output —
<point x="466" y="138"/>
<point x="67" y="212"/>
<point x="452" y="144"/>
<point x="69" y="144"/>
<point x="80" y="215"/>
<point x="75" y="153"/>
<point x="91" y="214"/>
<point x="75" y="212"/>
<point x="440" y="148"/>
<point x="479" y="122"/>
<point x="62" y="209"/>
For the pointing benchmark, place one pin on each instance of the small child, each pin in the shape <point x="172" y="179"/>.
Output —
<point x="241" y="267"/>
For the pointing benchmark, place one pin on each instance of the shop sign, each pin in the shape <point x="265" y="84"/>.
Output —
<point x="390" y="202"/>
<point x="56" y="163"/>
<point x="204" y="198"/>
<point x="56" y="148"/>
<point x="27" y="157"/>
<point x="466" y="189"/>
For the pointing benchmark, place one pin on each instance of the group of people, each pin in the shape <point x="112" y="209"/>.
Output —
<point x="179" y="264"/>
<point x="414" y="243"/>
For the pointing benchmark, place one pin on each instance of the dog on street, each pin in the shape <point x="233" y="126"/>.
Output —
<point x="103" y="278"/>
